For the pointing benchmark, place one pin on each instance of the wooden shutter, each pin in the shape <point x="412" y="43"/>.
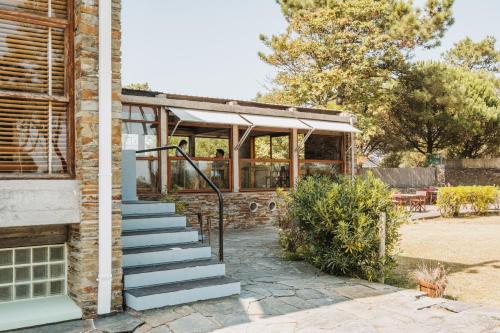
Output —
<point x="34" y="94"/>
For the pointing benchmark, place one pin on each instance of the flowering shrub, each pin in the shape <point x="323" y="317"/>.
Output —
<point x="335" y="225"/>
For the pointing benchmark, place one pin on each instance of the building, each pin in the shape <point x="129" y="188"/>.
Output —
<point x="63" y="122"/>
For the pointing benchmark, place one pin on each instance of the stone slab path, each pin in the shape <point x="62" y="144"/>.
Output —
<point x="286" y="296"/>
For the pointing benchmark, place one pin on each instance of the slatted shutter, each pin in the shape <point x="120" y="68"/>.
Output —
<point x="34" y="87"/>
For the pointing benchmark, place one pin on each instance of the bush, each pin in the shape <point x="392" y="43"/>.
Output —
<point x="335" y="225"/>
<point x="451" y="199"/>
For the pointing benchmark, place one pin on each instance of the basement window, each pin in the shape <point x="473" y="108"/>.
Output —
<point x="32" y="272"/>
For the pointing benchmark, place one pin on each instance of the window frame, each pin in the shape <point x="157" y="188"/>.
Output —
<point x="195" y="158"/>
<point x="340" y="161"/>
<point x="156" y="158"/>
<point x="68" y="97"/>
<point x="267" y="160"/>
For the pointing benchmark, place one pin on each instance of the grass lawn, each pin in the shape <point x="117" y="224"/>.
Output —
<point x="469" y="247"/>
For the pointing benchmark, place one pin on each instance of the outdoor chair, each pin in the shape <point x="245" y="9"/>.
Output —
<point x="417" y="203"/>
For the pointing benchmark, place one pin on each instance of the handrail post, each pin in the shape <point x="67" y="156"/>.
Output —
<point x="210" y="183"/>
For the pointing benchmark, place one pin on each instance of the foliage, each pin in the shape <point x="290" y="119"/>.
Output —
<point x="438" y="108"/>
<point x="451" y="199"/>
<point x="335" y="225"/>
<point x="475" y="56"/>
<point x="180" y="207"/>
<point x="138" y="86"/>
<point x="344" y="51"/>
<point x="437" y="276"/>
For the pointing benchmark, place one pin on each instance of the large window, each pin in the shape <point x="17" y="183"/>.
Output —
<point x="265" y="161"/>
<point x="208" y="147"/>
<point x="321" y="155"/>
<point x="35" y="87"/>
<point x="140" y="130"/>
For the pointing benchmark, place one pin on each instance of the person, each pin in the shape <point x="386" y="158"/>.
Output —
<point x="218" y="173"/>
<point x="182" y="145"/>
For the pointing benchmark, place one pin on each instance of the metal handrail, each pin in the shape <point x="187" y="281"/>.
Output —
<point x="209" y="182"/>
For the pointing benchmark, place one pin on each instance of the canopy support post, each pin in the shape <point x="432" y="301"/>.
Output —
<point x="173" y="132"/>
<point x="244" y="137"/>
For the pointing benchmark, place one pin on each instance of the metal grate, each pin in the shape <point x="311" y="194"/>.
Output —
<point x="32" y="272"/>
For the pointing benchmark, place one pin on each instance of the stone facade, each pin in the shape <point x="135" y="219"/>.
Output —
<point x="237" y="212"/>
<point x="472" y="176"/>
<point x="83" y="237"/>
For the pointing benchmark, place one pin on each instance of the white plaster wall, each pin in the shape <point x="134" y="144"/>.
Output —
<point x="39" y="202"/>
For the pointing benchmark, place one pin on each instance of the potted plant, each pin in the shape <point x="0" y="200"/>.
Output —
<point x="432" y="280"/>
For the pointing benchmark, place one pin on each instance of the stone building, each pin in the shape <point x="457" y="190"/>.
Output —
<point x="64" y="128"/>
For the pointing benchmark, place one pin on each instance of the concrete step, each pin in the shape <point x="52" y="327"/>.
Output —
<point x="180" y="293"/>
<point x="162" y="254"/>
<point x="141" y="276"/>
<point x="152" y="221"/>
<point x="144" y="207"/>
<point x="136" y="238"/>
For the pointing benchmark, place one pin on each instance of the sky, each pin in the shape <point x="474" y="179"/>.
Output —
<point x="209" y="48"/>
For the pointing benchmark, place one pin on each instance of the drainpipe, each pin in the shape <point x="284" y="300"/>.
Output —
<point x="105" y="151"/>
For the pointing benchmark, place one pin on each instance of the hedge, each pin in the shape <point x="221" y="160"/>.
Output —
<point x="450" y="200"/>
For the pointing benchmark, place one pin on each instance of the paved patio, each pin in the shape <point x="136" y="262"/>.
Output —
<point x="283" y="296"/>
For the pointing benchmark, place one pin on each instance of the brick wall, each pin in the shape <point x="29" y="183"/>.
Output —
<point x="237" y="214"/>
<point x="83" y="238"/>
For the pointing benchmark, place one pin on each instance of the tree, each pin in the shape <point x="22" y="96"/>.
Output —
<point x="344" y="51"/>
<point x="480" y="115"/>
<point x="422" y="110"/>
<point x="475" y="56"/>
<point x="138" y="86"/>
<point x="438" y="108"/>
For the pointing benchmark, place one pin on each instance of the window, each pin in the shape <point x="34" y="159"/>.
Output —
<point x="208" y="147"/>
<point x="35" y="86"/>
<point x="140" y="128"/>
<point x="265" y="161"/>
<point x="31" y="272"/>
<point x="321" y="155"/>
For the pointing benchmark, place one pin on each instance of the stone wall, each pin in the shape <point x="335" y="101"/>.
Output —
<point x="472" y="176"/>
<point x="83" y="238"/>
<point x="237" y="213"/>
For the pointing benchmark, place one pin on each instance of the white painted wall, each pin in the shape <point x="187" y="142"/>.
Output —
<point x="39" y="202"/>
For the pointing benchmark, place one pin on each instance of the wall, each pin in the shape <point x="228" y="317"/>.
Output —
<point x="83" y="238"/>
<point x="237" y="214"/>
<point x="39" y="202"/>
<point x="473" y="172"/>
<point x="405" y="177"/>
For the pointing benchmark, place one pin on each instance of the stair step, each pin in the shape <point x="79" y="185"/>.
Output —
<point x="140" y="207"/>
<point x="139" y="276"/>
<point x="180" y="293"/>
<point x="152" y="221"/>
<point x="160" y="254"/>
<point x="136" y="238"/>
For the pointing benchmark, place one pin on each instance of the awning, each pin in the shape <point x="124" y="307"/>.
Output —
<point x="320" y="125"/>
<point x="277" y="122"/>
<point x="210" y="117"/>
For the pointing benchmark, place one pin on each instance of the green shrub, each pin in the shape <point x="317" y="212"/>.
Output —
<point x="335" y="225"/>
<point x="451" y="199"/>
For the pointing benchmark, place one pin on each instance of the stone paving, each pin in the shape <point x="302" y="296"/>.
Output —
<point x="286" y="296"/>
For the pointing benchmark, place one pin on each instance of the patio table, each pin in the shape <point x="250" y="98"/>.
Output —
<point x="410" y="199"/>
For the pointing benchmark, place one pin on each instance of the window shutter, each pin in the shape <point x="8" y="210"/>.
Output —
<point x="34" y="103"/>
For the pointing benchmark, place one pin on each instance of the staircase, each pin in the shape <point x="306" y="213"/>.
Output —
<point x="164" y="263"/>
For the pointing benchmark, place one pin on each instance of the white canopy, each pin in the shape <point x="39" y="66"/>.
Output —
<point x="321" y="125"/>
<point x="210" y="117"/>
<point x="279" y="122"/>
